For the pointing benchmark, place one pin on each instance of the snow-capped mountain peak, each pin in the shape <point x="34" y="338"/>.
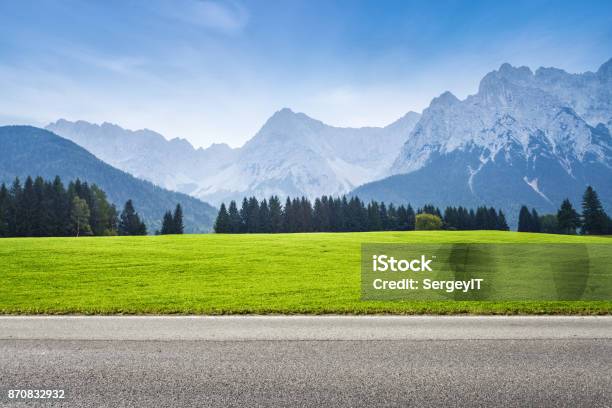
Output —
<point x="548" y="131"/>
<point x="446" y="99"/>
<point x="286" y="124"/>
<point x="294" y="154"/>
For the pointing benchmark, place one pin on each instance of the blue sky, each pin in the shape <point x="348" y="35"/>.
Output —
<point x="214" y="71"/>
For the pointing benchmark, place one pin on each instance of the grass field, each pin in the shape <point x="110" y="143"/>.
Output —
<point x="231" y="274"/>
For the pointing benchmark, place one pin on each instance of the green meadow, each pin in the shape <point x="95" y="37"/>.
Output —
<point x="233" y="274"/>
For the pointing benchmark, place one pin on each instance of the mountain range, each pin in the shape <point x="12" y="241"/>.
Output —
<point x="291" y="155"/>
<point x="525" y="137"/>
<point x="29" y="151"/>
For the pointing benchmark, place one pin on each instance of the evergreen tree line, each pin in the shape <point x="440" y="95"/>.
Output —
<point x="342" y="214"/>
<point x="592" y="221"/>
<point x="40" y="208"/>
<point x="462" y="219"/>
<point x="173" y="223"/>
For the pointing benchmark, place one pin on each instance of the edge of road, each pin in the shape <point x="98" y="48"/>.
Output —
<point x="302" y="327"/>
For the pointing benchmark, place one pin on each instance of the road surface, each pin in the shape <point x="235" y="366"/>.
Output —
<point x="309" y="361"/>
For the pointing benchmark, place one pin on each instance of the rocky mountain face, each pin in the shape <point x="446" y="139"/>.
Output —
<point x="524" y="138"/>
<point x="292" y="154"/>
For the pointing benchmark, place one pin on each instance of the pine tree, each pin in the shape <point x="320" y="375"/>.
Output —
<point x="450" y="221"/>
<point x="337" y="214"/>
<point x="345" y="214"/>
<point x="384" y="216"/>
<point x="168" y="223"/>
<point x="392" y="218"/>
<point x="401" y="218"/>
<point x="536" y="226"/>
<point x="472" y="219"/>
<point x="142" y="229"/>
<point x="276" y="214"/>
<point x="177" y="220"/>
<point x="14" y="210"/>
<point x="252" y="219"/>
<point x="27" y="210"/>
<point x="4" y="211"/>
<point x="39" y="215"/>
<point x="594" y="219"/>
<point x="491" y="219"/>
<point x="568" y="219"/>
<point x="47" y="221"/>
<point x="353" y="219"/>
<point x="306" y="214"/>
<point x="297" y="215"/>
<point x="129" y="221"/>
<point x="318" y="222"/>
<point x="465" y="221"/>
<point x="60" y="208"/>
<point x="288" y="217"/>
<point x="374" y="221"/>
<point x="525" y="223"/>
<point x="502" y="225"/>
<point x="222" y="224"/>
<point x="234" y="220"/>
<point x="126" y="219"/>
<point x="549" y="224"/>
<point x="410" y="218"/>
<point x="244" y="215"/>
<point x="481" y="218"/>
<point x="265" y="225"/>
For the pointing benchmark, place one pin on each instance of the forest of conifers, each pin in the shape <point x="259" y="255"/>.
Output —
<point x="342" y="214"/>
<point x="40" y="208"/>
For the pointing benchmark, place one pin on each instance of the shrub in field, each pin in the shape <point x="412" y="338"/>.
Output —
<point x="428" y="222"/>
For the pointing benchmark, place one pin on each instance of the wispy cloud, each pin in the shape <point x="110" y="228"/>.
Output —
<point x="228" y="17"/>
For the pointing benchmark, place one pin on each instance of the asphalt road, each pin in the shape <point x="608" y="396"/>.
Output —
<point x="310" y="361"/>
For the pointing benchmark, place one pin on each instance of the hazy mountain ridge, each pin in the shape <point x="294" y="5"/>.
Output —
<point x="292" y="154"/>
<point x="26" y="150"/>
<point x="174" y="164"/>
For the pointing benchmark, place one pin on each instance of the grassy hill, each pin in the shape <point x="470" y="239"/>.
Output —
<point x="223" y="274"/>
<point x="29" y="151"/>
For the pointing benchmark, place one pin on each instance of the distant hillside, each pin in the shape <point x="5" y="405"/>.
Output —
<point x="26" y="150"/>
